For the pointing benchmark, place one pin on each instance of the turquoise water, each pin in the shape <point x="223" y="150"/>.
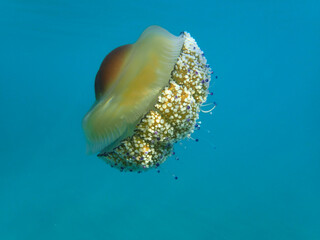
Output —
<point x="254" y="174"/>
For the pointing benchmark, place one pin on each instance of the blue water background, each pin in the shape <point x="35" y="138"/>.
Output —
<point x="254" y="174"/>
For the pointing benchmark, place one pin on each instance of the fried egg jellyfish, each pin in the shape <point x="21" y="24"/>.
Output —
<point x="148" y="97"/>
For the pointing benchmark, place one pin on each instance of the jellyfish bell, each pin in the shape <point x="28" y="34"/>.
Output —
<point x="127" y="85"/>
<point x="148" y="96"/>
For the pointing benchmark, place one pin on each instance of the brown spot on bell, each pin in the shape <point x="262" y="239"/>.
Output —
<point x="110" y="69"/>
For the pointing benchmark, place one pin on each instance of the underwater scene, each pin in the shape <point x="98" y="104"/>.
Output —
<point x="159" y="120"/>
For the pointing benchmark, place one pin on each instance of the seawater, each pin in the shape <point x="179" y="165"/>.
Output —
<point x="253" y="174"/>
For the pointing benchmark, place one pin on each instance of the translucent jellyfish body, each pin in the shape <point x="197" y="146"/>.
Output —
<point x="148" y="97"/>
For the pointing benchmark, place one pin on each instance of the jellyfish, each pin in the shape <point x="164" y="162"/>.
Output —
<point x="148" y="97"/>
